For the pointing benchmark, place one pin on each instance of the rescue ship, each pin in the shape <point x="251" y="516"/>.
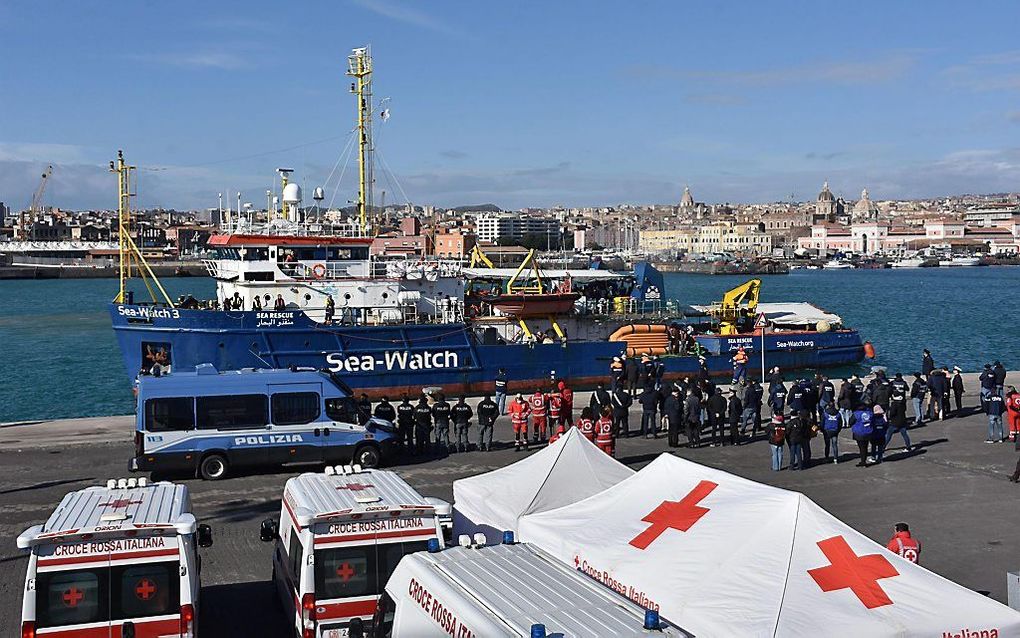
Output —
<point x="311" y="295"/>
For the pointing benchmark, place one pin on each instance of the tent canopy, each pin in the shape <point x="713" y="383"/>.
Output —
<point x="721" y="555"/>
<point x="565" y="472"/>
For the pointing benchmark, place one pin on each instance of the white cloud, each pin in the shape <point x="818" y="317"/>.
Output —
<point x="405" y="14"/>
<point x="223" y="60"/>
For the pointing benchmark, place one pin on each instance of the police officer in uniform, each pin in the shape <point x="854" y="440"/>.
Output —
<point x="385" y="411"/>
<point x="487" y="413"/>
<point x="502" y="386"/>
<point x="422" y="424"/>
<point x="462" y="414"/>
<point x="405" y="423"/>
<point x="673" y="410"/>
<point x="441" y="419"/>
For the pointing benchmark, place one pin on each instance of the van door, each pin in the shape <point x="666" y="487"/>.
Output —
<point x="298" y="427"/>
<point x="74" y="601"/>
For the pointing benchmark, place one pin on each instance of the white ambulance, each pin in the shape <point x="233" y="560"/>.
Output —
<point x="478" y="591"/>
<point x="341" y="534"/>
<point x="117" y="561"/>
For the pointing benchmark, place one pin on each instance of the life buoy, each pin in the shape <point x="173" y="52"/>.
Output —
<point x="869" y="350"/>
<point x="319" y="271"/>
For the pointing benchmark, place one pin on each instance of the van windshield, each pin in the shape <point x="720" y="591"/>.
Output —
<point x="102" y="594"/>
<point x="360" y="570"/>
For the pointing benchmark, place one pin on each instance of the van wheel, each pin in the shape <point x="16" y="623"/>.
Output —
<point x="367" y="456"/>
<point x="213" y="467"/>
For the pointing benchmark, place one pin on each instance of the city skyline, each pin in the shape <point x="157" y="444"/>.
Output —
<point x="523" y="105"/>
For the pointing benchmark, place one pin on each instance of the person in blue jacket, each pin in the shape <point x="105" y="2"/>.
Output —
<point x="832" y="422"/>
<point x="862" y="429"/>
<point x="880" y="427"/>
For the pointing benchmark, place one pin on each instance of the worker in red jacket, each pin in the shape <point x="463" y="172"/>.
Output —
<point x="586" y="424"/>
<point x="1013" y="412"/>
<point x="538" y="414"/>
<point x="904" y="544"/>
<point x="555" y="402"/>
<point x="560" y="430"/>
<point x="519" y="411"/>
<point x="605" y="436"/>
<point x="567" y="411"/>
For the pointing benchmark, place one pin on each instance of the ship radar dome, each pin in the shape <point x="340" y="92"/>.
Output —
<point x="291" y="193"/>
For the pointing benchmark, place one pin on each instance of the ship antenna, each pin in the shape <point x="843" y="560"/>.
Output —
<point x="126" y="247"/>
<point x="359" y="67"/>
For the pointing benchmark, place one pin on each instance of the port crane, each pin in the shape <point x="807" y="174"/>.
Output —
<point x="35" y="206"/>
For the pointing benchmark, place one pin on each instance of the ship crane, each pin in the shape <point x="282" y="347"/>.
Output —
<point x="736" y="305"/>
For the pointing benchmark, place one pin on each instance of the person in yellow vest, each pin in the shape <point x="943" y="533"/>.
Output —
<point x="740" y="366"/>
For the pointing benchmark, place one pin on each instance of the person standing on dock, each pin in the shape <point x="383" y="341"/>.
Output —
<point x="776" y="433"/>
<point x="487" y="413"/>
<point x="586" y="424"/>
<point x="567" y="413"/>
<point x="673" y="411"/>
<point x="716" y="406"/>
<point x="385" y="411"/>
<point x="1013" y="412"/>
<point x="649" y="401"/>
<point x="995" y="407"/>
<point x="502" y="387"/>
<point x="832" y="423"/>
<point x="364" y="409"/>
<point x="999" y="375"/>
<point x="540" y="423"/>
<point x="938" y="387"/>
<point x="735" y="409"/>
<point x="631" y="371"/>
<point x="897" y="418"/>
<point x="405" y="423"/>
<point x="878" y="435"/>
<point x="422" y="425"/>
<point x="862" y="429"/>
<point x="747" y="416"/>
<point x="957" y="386"/>
<point x="605" y="434"/>
<point x="620" y="411"/>
<point x="600" y="398"/>
<point x="441" y="419"/>
<point x="777" y="398"/>
<point x="917" y="391"/>
<point x="462" y="414"/>
<point x="987" y="381"/>
<point x="519" y="413"/>
<point x="826" y="395"/>
<point x="692" y="414"/>
<point x="847" y="400"/>
<point x="927" y="363"/>
<point x="616" y="374"/>
<point x="795" y="439"/>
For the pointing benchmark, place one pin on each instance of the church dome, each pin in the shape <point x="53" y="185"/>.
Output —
<point x="826" y="194"/>
<point x="687" y="201"/>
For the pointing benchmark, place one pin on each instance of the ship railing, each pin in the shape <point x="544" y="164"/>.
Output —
<point x="355" y="269"/>
<point x="220" y="269"/>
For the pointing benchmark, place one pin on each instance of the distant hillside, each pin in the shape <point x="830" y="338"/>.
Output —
<point x="487" y="208"/>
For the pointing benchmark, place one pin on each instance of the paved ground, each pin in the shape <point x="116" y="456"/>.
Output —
<point x="953" y="491"/>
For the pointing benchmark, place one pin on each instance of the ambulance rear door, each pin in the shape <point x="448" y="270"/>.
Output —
<point x="72" y="592"/>
<point x="353" y="562"/>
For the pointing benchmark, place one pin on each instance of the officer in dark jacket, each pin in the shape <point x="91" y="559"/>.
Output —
<point x="777" y="398"/>
<point x="673" y="410"/>
<point x="897" y="412"/>
<point x="631" y="371"/>
<point x="987" y="381"/>
<point x="621" y="402"/>
<point x="957" y="385"/>
<point x="692" y="415"/>
<point x="385" y="411"/>
<point x="487" y="413"/>
<point x="927" y="363"/>
<point x="999" y="375"/>
<point x="405" y="423"/>
<point x="938" y="384"/>
<point x="716" y="408"/>
<point x="795" y="439"/>
<point x="600" y="398"/>
<point x="441" y="418"/>
<point x="735" y="409"/>
<point x="649" y="401"/>
<point x="502" y="389"/>
<point x="881" y="390"/>
<point x="462" y="414"/>
<point x="918" y="389"/>
<point x="422" y="424"/>
<point x="364" y="409"/>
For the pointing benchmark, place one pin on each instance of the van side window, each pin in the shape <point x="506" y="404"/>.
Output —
<point x="238" y="411"/>
<point x="164" y="415"/>
<point x="294" y="553"/>
<point x="344" y="410"/>
<point x="295" y="408"/>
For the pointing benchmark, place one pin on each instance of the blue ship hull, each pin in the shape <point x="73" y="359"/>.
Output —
<point x="389" y="360"/>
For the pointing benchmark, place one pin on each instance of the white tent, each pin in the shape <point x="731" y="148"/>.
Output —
<point x="565" y="472"/>
<point x="721" y="555"/>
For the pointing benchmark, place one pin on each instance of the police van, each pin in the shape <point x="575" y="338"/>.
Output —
<point x="479" y="591"/>
<point x="340" y="535"/>
<point x="119" y="560"/>
<point x="209" y="423"/>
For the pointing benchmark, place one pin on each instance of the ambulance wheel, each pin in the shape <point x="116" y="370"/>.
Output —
<point x="367" y="456"/>
<point x="213" y="467"/>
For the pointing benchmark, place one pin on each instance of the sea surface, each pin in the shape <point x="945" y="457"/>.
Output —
<point x="58" y="356"/>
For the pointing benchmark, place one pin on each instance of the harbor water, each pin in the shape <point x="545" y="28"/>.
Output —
<point x="58" y="356"/>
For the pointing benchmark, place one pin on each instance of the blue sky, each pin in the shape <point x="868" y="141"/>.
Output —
<point x="517" y="103"/>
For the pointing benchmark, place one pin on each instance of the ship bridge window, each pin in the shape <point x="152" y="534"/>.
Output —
<point x="256" y="254"/>
<point x="347" y="253"/>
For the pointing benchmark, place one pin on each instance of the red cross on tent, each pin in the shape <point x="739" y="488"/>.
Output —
<point x="73" y="596"/>
<point x="859" y="574"/>
<point x="355" y="487"/>
<point x="345" y="572"/>
<point x="679" y="515"/>
<point x="119" y="503"/>
<point x="145" y="589"/>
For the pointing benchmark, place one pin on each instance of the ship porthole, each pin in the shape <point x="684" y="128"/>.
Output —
<point x="308" y="297"/>
<point x="347" y="295"/>
<point x="386" y="295"/>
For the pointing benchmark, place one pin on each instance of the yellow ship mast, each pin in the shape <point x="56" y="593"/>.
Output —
<point x="359" y="67"/>
<point x="127" y="249"/>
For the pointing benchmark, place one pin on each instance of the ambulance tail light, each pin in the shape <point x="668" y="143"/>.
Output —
<point x="28" y="629"/>
<point x="187" y="621"/>
<point x="308" y="615"/>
